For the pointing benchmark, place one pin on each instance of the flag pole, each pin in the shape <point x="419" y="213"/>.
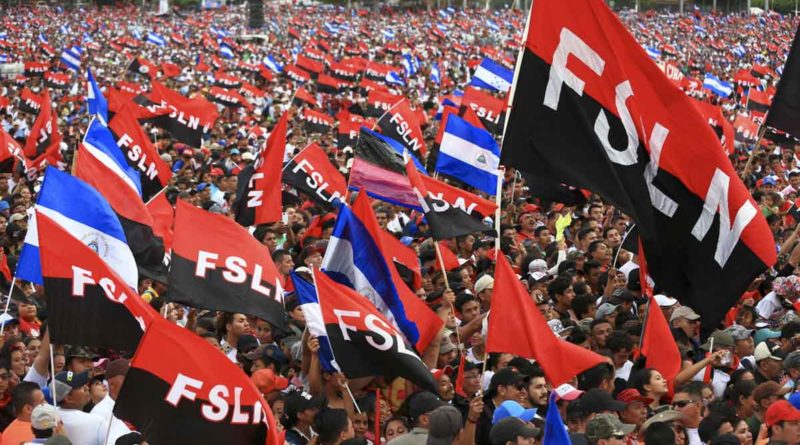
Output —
<point x="53" y="375"/>
<point x="761" y="130"/>
<point x="347" y="386"/>
<point x="517" y="68"/>
<point x="447" y="288"/>
<point x="8" y="302"/>
<point x="385" y="113"/>
<point x="619" y="248"/>
<point x="501" y="171"/>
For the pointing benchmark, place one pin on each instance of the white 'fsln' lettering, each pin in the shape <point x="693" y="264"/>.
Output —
<point x="568" y="44"/>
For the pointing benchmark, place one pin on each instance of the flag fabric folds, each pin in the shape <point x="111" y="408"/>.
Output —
<point x="492" y="76"/>
<point x="363" y="341"/>
<point x="230" y="271"/>
<point x="309" y="302"/>
<point x="785" y="112"/>
<point x="717" y="86"/>
<point x="311" y="172"/>
<point x="469" y="154"/>
<point x="401" y="124"/>
<point x="98" y="105"/>
<point x="86" y="300"/>
<point x="87" y="216"/>
<point x="516" y="326"/>
<point x="641" y="146"/>
<point x="71" y="58"/>
<point x="177" y="378"/>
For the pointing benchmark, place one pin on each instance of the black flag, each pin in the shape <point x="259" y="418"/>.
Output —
<point x="785" y="112"/>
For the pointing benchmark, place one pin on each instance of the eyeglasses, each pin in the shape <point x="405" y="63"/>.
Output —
<point x="682" y="403"/>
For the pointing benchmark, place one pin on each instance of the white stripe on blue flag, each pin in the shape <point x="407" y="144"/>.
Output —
<point x="156" y="39"/>
<point x="717" y="86"/>
<point x="42" y="38"/>
<point x="394" y="78"/>
<point x="492" y="76"/>
<point x="309" y="302"/>
<point x="653" y="52"/>
<point x="86" y="215"/>
<point x="226" y="51"/>
<point x="98" y="105"/>
<point x="354" y="259"/>
<point x="436" y="76"/>
<point x="469" y="154"/>
<point x="4" y="58"/>
<point x="388" y="34"/>
<point x="272" y="64"/>
<point x="72" y="58"/>
<point x="99" y="141"/>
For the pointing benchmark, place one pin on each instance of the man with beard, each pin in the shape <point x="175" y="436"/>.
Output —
<point x="506" y="384"/>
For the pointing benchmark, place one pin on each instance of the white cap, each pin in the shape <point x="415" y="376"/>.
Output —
<point x="537" y="266"/>
<point x="665" y="301"/>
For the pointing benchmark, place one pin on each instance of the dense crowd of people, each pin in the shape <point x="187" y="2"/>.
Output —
<point x="737" y="383"/>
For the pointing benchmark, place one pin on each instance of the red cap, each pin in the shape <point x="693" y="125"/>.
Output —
<point x="781" y="411"/>
<point x="558" y="207"/>
<point x="438" y="373"/>
<point x="217" y="172"/>
<point x="267" y="381"/>
<point x="632" y="395"/>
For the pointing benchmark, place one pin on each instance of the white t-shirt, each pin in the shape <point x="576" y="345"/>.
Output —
<point x="35" y="377"/>
<point x="105" y="409"/>
<point x="624" y="372"/>
<point x="768" y="305"/>
<point x="83" y="428"/>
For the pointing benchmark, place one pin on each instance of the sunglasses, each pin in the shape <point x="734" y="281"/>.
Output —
<point x="682" y="403"/>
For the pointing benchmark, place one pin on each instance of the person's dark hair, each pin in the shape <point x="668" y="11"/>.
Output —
<point x="619" y="340"/>
<point x="558" y="286"/>
<point x="589" y="265"/>
<point x="577" y="336"/>
<point x="278" y="255"/>
<point x="581" y="303"/>
<point x="692" y="388"/>
<point x="42" y="434"/>
<point x="462" y="299"/>
<point x="593" y="246"/>
<point x="597" y="322"/>
<point x="595" y="376"/>
<point x="659" y="433"/>
<point x="537" y="231"/>
<point x="741" y="389"/>
<point x="580" y="288"/>
<point x="790" y="329"/>
<point x="23" y="395"/>
<point x="709" y="428"/>
<point x="583" y="233"/>
<point x="400" y="419"/>
<point x="737" y="375"/>
<point x="623" y="317"/>
<point x="640" y="378"/>
<point x="329" y="424"/>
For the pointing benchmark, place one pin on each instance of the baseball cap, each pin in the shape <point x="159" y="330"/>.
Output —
<point x="3" y="206"/>
<point x="765" y="390"/>
<point x="567" y="392"/>
<point x="247" y="156"/>
<point x="721" y="339"/>
<point x="508" y="429"/>
<point x="763" y="352"/>
<point x="622" y="294"/>
<point x="267" y="381"/>
<point x="537" y="266"/>
<point x="538" y="277"/>
<point x="44" y="417"/>
<point x="246" y="343"/>
<point x="558" y="327"/>
<point x="684" y="312"/>
<point x="444" y="424"/>
<point x="66" y="381"/>
<point x="769" y="180"/>
<point x="597" y="400"/>
<point x="268" y="354"/>
<point x="792" y="360"/>
<point x="632" y="395"/>
<point x="505" y="377"/>
<point x="510" y="408"/>
<point x="202" y="186"/>
<point x="763" y="335"/>
<point x="794" y="399"/>
<point x="739" y="332"/>
<point x="235" y="151"/>
<point x="668" y="415"/>
<point x="604" y="310"/>
<point x="606" y="426"/>
<point x="446" y="347"/>
<point x="781" y="411"/>
<point x="79" y="352"/>
<point x="423" y="402"/>
<point x="665" y="301"/>
<point x="298" y="401"/>
<point x="118" y="367"/>
<point x="483" y="283"/>
<point x="217" y="172"/>
<point x="16" y="217"/>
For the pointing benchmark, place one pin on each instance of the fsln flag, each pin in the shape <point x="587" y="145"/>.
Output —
<point x="401" y="124"/>
<point x="86" y="215"/>
<point x="703" y="234"/>
<point x="492" y="76"/>
<point x="469" y="154"/>
<point x="71" y="58"/>
<point x="98" y="105"/>
<point x="312" y="173"/>
<point x="258" y="197"/>
<point x="86" y="299"/>
<point x="230" y="271"/>
<point x="309" y="302"/>
<point x="363" y="340"/>
<point x="176" y="377"/>
<point x="353" y="257"/>
<point x="446" y="221"/>
<point x="785" y="112"/>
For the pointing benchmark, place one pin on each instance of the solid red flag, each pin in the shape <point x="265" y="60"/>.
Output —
<point x="258" y="197"/>
<point x="178" y="378"/>
<point x="44" y="140"/>
<point x="460" y="379"/>
<point x="399" y="253"/>
<point x="163" y="216"/>
<point x="516" y="326"/>
<point x="449" y="259"/>
<point x="428" y="322"/>
<point x="4" y="269"/>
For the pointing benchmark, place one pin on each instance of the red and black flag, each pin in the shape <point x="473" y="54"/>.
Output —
<point x="230" y="271"/>
<point x="180" y="390"/>
<point x="345" y="72"/>
<point x="364" y="343"/>
<point x="58" y="81"/>
<point x="746" y="130"/>
<point x="87" y="302"/>
<point x="258" y="191"/>
<point x="785" y="112"/>
<point x="379" y="102"/>
<point x="640" y="144"/>
<point x="44" y="140"/>
<point x="303" y="97"/>
<point x="441" y="194"/>
<point x="226" y="80"/>
<point x="141" y="66"/>
<point x="29" y="102"/>
<point x="313" y="67"/>
<point x="36" y="69"/>
<point x="227" y="98"/>
<point x="347" y="136"/>
<point x="401" y="124"/>
<point x="316" y="122"/>
<point x="312" y="173"/>
<point x="163" y="216"/>
<point x="10" y="152"/>
<point x="185" y="119"/>
<point x="489" y="109"/>
<point x="296" y="74"/>
<point x="445" y="220"/>
<point x="758" y="101"/>
<point x="721" y="126"/>
<point x="47" y="50"/>
<point x="327" y="84"/>
<point x="140" y="152"/>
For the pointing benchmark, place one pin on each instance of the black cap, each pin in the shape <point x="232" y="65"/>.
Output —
<point x="508" y="429"/>
<point x="268" y="354"/>
<point x="634" y="281"/>
<point x="72" y="379"/>
<point x="505" y="377"/>
<point x="246" y="343"/>
<point x="299" y="401"/>
<point x="596" y="401"/>
<point x="79" y="352"/>
<point x="422" y="403"/>
<point x="623" y="295"/>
